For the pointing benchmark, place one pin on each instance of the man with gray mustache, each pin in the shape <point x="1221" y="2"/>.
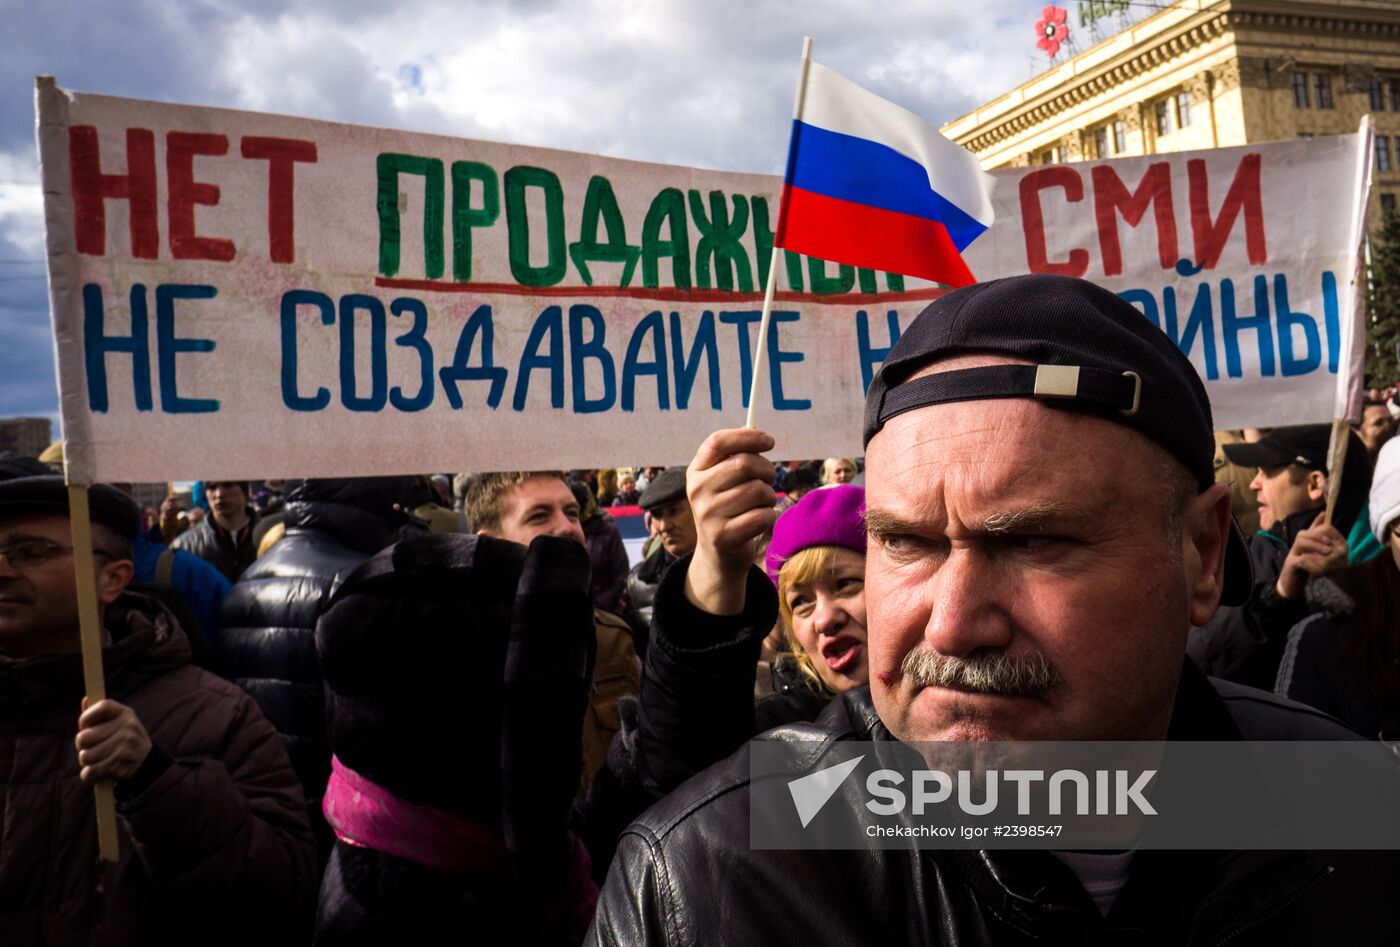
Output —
<point x="1018" y="587"/>
<point x="1029" y="676"/>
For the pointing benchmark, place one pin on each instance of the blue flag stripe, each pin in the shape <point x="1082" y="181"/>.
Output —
<point x="866" y="172"/>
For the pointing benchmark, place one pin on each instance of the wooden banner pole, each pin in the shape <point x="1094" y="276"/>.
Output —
<point x="760" y="355"/>
<point x="1336" y="462"/>
<point x="90" y="633"/>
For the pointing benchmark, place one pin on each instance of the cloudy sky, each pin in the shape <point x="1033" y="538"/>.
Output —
<point x="697" y="82"/>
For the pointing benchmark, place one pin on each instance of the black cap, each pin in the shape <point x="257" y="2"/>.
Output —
<point x="1305" y="445"/>
<point x="1092" y="352"/>
<point x="27" y="495"/>
<point x="668" y="487"/>
<point x="12" y="467"/>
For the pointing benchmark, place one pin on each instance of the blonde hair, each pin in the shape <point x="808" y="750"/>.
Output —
<point x="607" y="485"/>
<point x="829" y="466"/>
<point x="803" y="566"/>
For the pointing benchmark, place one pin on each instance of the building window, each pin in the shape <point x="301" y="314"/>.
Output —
<point x="1164" y="119"/>
<point x="1377" y="94"/>
<point x="1300" y="90"/>
<point x="1394" y="84"/>
<point x="1382" y="152"/>
<point x="1388" y="203"/>
<point x="1322" y="85"/>
<point x="1120" y="137"/>
<point x="1101" y="142"/>
<point x="1183" y="110"/>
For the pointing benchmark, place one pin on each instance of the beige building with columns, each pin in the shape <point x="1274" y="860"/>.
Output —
<point x="1206" y="74"/>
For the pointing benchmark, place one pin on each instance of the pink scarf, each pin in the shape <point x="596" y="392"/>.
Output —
<point x="367" y="815"/>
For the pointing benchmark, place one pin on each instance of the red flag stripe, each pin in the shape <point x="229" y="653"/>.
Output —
<point x="871" y="237"/>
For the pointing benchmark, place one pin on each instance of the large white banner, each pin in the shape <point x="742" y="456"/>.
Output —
<point x="239" y="295"/>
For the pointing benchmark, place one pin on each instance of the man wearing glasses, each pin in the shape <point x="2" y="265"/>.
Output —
<point x="211" y="819"/>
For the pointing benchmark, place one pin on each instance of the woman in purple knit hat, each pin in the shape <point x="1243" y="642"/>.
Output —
<point x="817" y="561"/>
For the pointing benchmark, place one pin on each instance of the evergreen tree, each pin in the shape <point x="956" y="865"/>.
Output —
<point x="1383" y="316"/>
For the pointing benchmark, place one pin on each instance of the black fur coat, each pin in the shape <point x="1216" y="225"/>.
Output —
<point x="457" y="671"/>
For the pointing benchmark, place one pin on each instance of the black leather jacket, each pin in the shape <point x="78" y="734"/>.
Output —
<point x="685" y="873"/>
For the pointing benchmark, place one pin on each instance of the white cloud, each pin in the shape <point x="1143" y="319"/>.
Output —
<point x="21" y="209"/>
<point x="664" y="80"/>
<point x="705" y="82"/>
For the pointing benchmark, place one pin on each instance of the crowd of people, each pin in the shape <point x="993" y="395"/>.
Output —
<point x="371" y="711"/>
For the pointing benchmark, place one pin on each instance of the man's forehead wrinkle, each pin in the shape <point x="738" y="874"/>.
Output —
<point x="963" y="462"/>
<point x="972" y="463"/>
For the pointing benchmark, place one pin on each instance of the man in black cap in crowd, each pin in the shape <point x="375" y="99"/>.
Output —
<point x="1244" y="643"/>
<point x="672" y="522"/>
<point x="214" y="841"/>
<point x="1017" y="588"/>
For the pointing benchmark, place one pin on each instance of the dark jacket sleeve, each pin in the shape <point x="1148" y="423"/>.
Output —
<point x="618" y="567"/>
<point x="227" y="838"/>
<point x="695" y="708"/>
<point x="1243" y="643"/>
<point x="633" y="906"/>
<point x="1309" y="671"/>
<point x="697" y="685"/>
<point x="204" y="587"/>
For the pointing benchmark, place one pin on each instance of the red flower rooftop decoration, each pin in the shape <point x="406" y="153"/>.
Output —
<point x="1052" y="30"/>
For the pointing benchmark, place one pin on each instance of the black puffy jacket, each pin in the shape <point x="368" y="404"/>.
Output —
<point x="267" y="644"/>
<point x="685" y="873"/>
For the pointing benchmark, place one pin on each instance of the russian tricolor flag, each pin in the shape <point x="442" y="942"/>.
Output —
<point x="872" y="184"/>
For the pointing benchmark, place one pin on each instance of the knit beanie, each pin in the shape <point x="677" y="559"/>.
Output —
<point x="830" y="516"/>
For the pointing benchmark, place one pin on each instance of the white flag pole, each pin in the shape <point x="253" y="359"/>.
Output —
<point x="1350" y="380"/>
<point x="760" y="355"/>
